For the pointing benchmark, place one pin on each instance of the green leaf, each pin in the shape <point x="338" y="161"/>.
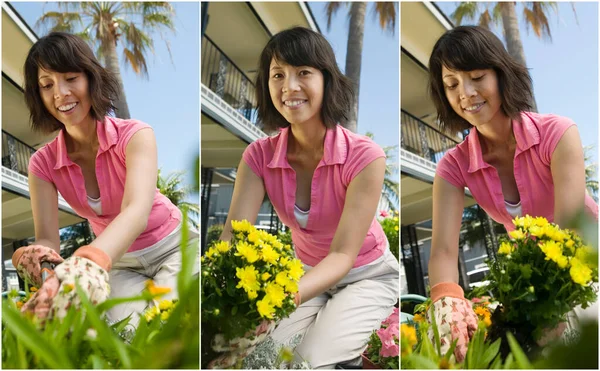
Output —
<point x="28" y="335"/>
<point x="518" y="353"/>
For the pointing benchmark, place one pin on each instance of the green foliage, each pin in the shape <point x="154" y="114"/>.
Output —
<point x="391" y="227"/>
<point x="213" y="233"/>
<point x="84" y="339"/>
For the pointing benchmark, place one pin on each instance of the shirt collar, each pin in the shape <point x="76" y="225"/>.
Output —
<point x="526" y="134"/>
<point x="335" y="148"/>
<point x="107" y="137"/>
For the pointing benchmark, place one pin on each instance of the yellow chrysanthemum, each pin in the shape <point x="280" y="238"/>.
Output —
<point x="276" y="294"/>
<point x="165" y="315"/>
<point x="569" y="244"/>
<point x="284" y="261"/>
<point x="254" y="238"/>
<point x="247" y="251"/>
<point x="553" y="251"/>
<point x="265" y="308"/>
<point x="269" y="255"/>
<point x="277" y="245"/>
<point x="291" y="286"/>
<point x="296" y="270"/>
<point x="541" y="221"/>
<point x="265" y="276"/>
<point x="487" y="321"/>
<point x="252" y="295"/>
<point x="419" y="317"/>
<point x="480" y="311"/>
<point x="222" y="246"/>
<point x="156" y="290"/>
<point x="524" y="222"/>
<point x="583" y="253"/>
<point x="505" y="248"/>
<point x="580" y="272"/>
<point x="165" y="305"/>
<point x="241" y="226"/>
<point x="517" y="234"/>
<point x="282" y="278"/>
<point x="408" y="338"/>
<point x="211" y="253"/>
<point x="248" y="278"/>
<point x="151" y="312"/>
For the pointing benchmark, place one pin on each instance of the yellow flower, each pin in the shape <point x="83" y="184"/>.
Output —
<point x="505" y="248"/>
<point x="524" y="222"/>
<point x="254" y="238"/>
<point x="283" y="261"/>
<point x="583" y="253"/>
<point x="580" y="272"/>
<point x="553" y="251"/>
<point x="156" y="290"/>
<point x="408" y="338"/>
<point x="265" y="276"/>
<point x="248" y="278"/>
<point x="247" y="251"/>
<point x="252" y="295"/>
<point x="419" y="317"/>
<point x="487" y="321"/>
<point x="480" y="311"/>
<point x="165" y="305"/>
<point x="241" y="226"/>
<point x="269" y="255"/>
<point x="396" y="228"/>
<point x="541" y="221"/>
<point x="282" y="278"/>
<point x="570" y="243"/>
<point x="517" y="234"/>
<point x="33" y="289"/>
<point x="165" y="316"/>
<point x="151" y="313"/>
<point x="222" y="246"/>
<point x="296" y="270"/>
<point x="395" y="218"/>
<point x="264" y="307"/>
<point x="291" y="286"/>
<point x="211" y="252"/>
<point x="276" y="294"/>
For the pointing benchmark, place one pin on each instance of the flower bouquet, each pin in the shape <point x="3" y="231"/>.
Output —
<point x="541" y="273"/>
<point x="248" y="285"/>
<point x="383" y="346"/>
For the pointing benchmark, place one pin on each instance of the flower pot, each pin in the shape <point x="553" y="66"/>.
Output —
<point x="367" y="364"/>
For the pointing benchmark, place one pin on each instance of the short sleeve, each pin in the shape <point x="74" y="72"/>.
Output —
<point x="39" y="165"/>
<point x="126" y="131"/>
<point x="551" y="133"/>
<point x="361" y="154"/>
<point x="254" y="157"/>
<point x="449" y="170"/>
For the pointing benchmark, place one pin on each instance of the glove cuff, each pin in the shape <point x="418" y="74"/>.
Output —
<point x="297" y="299"/>
<point x="96" y="255"/>
<point x="446" y="289"/>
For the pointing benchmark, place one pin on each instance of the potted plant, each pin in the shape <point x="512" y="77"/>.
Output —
<point x="383" y="349"/>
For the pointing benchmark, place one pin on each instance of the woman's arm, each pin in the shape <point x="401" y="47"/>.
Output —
<point x="140" y="187"/>
<point x="360" y="206"/>
<point x="568" y="174"/>
<point x="448" y="205"/>
<point x="44" y="207"/>
<point x="248" y="195"/>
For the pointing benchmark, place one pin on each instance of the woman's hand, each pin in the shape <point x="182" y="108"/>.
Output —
<point x="28" y="259"/>
<point x="454" y="317"/>
<point x="89" y="266"/>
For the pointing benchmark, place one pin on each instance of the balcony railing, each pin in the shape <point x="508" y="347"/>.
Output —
<point x="423" y="140"/>
<point x="224" y="78"/>
<point x="15" y="154"/>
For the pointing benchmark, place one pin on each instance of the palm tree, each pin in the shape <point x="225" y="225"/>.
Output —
<point x="170" y="186"/>
<point x="591" y="182"/>
<point x="104" y="24"/>
<point x="535" y="16"/>
<point x="391" y="188"/>
<point x="386" y="13"/>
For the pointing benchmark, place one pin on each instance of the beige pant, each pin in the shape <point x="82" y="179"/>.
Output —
<point x="336" y="325"/>
<point x="160" y="262"/>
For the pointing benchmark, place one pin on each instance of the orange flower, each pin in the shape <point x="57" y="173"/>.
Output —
<point x="419" y="317"/>
<point x="156" y="290"/>
<point x="19" y="304"/>
<point x="33" y="289"/>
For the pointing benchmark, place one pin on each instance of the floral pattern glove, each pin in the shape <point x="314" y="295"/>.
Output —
<point x="237" y="349"/>
<point x="454" y="318"/>
<point x="28" y="259"/>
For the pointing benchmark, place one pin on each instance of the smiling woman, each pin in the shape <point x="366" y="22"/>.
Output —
<point x="105" y="168"/>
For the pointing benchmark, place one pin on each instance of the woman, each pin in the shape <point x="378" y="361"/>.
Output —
<point x="324" y="182"/>
<point x="513" y="161"/>
<point x="105" y="168"/>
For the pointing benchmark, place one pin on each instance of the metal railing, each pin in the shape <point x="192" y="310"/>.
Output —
<point x="423" y="140"/>
<point x="224" y="78"/>
<point x="15" y="154"/>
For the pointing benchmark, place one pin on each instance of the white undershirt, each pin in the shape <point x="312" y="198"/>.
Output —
<point x="513" y="209"/>
<point x="95" y="204"/>
<point x="301" y="216"/>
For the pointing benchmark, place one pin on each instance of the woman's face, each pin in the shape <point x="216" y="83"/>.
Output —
<point x="474" y="95"/>
<point x="296" y="92"/>
<point x="65" y="95"/>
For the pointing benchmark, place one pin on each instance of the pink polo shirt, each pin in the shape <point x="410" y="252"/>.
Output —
<point x="537" y="136"/>
<point x="52" y="164"/>
<point x="345" y="154"/>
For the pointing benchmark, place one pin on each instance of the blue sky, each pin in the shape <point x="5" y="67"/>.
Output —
<point x="169" y="100"/>
<point x="564" y="71"/>
<point x="379" y="87"/>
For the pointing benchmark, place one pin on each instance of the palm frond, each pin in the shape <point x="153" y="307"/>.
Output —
<point x="331" y="10"/>
<point x="535" y="15"/>
<point x="57" y="21"/>
<point x="465" y="11"/>
<point x="136" y="45"/>
<point x="385" y="12"/>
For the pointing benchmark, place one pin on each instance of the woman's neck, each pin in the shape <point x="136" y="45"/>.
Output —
<point x="82" y="136"/>
<point x="497" y="133"/>
<point x="307" y="137"/>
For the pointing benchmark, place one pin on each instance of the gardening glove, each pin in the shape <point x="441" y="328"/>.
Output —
<point x="454" y="317"/>
<point x="235" y="350"/>
<point x="89" y="266"/>
<point x="28" y="259"/>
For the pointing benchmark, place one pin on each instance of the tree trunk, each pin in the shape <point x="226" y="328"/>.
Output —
<point x="356" y="35"/>
<point x="510" y="22"/>
<point x="111" y="61"/>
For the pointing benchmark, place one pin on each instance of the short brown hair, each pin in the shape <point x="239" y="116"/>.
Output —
<point x="300" y="46"/>
<point x="468" y="48"/>
<point x="63" y="52"/>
